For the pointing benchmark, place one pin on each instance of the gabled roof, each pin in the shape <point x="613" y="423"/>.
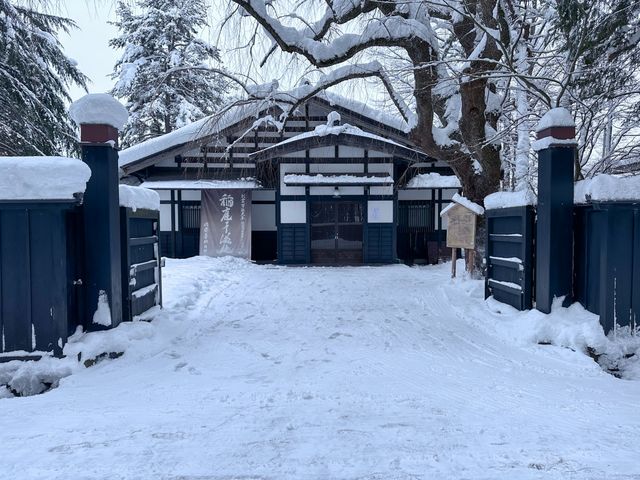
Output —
<point x="348" y="135"/>
<point x="205" y="129"/>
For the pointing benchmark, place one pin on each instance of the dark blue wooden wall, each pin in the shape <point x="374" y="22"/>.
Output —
<point x="607" y="262"/>
<point x="35" y="288"/>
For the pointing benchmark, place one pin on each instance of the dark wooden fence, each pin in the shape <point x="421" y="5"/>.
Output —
<point x="607" y="262"/>
<point x="510" y="256"/>
<point x="141" y="262"/>
<point x="37" y="276"/>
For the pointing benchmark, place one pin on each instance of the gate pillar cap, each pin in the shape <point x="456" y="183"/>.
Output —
<point x="557" y="123"/>
<point x="99" y="116"/>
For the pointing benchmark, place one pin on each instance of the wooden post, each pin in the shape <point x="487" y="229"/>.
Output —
<point x="454" y="258"/>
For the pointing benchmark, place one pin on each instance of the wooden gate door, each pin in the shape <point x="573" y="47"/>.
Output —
<point x="336" y="232"/>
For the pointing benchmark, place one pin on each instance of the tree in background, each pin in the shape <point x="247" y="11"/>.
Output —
<point x="163" y="73"/>
<point x="35" y="76"/>
<point x="470" y="77"/>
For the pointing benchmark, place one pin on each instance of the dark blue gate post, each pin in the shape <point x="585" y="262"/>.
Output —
<point x="100" y="116"/>
<point x="556" y="148"/>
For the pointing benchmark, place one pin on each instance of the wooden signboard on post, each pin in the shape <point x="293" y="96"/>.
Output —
<point x="462" y="216"/>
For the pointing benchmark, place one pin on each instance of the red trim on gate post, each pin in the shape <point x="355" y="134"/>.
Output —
<point x="98" y="133"/>
<point x="561" y="133"/>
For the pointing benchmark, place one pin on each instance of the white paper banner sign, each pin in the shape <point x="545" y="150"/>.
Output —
<point x="225" y="223"/>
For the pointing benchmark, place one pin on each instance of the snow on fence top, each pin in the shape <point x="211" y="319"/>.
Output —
<point x="465" y="202"/>
<point x="603" y="188"/>
<point x="556" y="117"/>
<point x="434" y="180"/>
<point x="139" y="197"/>
<point x="42" y="178"/>
<point x="99" y="109"/>
<point x="509" y="199"/>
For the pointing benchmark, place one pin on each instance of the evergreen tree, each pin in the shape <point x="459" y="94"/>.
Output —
<point x="163" y="72"/>
<point x="34" y="79"/>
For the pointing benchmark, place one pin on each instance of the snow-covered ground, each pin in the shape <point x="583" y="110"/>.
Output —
<point x="263" y="372"/>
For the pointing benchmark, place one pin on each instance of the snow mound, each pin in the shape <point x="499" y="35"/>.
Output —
<point x="139" y="197"/>
<point x="603" y="188"/>
<point x="556" y="117"/>
<point x="510" y="199"/>
<point x="42" y="178"/>
<point x="99" y="109"/>
<point x="434" y="180"/>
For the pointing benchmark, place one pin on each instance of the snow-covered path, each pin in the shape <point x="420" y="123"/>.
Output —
<point x="256" y="372"/>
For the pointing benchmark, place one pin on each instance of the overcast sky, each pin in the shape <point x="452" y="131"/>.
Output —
<point x="88" y="45"/>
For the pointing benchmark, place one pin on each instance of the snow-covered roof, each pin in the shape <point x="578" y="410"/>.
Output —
<point x="241" y="183"/>
<point x="393" y="121"/>
<point x="193" y="132"/>
<point x="100" y="109"/>
<point x="465" y="202"/>
<point x="322" y="132"/>
<point x="214" y="124"/>
<point x="434" y="180"/>
<point x="42" y="178"/>
<point x="139" y="197"/>
<point x="337" y="179"/>
<point x="607" y="188"/>
<point x="556" y="117"/>
<point x="509" y="199"/>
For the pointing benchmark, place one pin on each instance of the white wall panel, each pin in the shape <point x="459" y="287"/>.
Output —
<point x="263" y="217"/>
<point x="263" y="195"/>
<point x="336" y="168"/>
<point x="332" y="191"/>
<point x="380" y="211"/>
<point x="165" y="218"/>
<point x="290" y="168"/>
<point x="293" y="212"/>
<point x="350" y="152"/>
<point x="323" y="152"/>
<point x="417" y="194"/>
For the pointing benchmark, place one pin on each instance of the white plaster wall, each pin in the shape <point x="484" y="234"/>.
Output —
<point x="263" y="195"/>
<point x="263" y="217"/>
<point x="164" y="194"/>
<point x="191" y="195"/>
<point x="421" y="194"/>
<point x="332" y="191"/>
<point x="165" y="218"/>
<point x="351" y="152"/>
<point x="290" y="168"/>
<point x="293" y="212"/>
<point x="323" y="152"/>
<point x="376" y="154"/>
<point x="380" y="211"/>
<point x="448" y="193"/>
<point x="336" y="168"/>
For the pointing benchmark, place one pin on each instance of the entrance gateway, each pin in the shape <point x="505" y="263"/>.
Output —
<point x="336" y="232"/>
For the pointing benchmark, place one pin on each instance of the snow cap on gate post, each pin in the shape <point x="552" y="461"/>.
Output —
<point x="556" y="147"/>
<point x="100" y="117"/>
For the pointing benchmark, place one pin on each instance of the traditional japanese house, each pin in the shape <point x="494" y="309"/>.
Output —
<point x="341" y="183"/>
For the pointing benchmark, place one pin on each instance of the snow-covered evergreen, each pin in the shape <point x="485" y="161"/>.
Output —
<point x="35" y="76"/>
<point x="164" y="70"/>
